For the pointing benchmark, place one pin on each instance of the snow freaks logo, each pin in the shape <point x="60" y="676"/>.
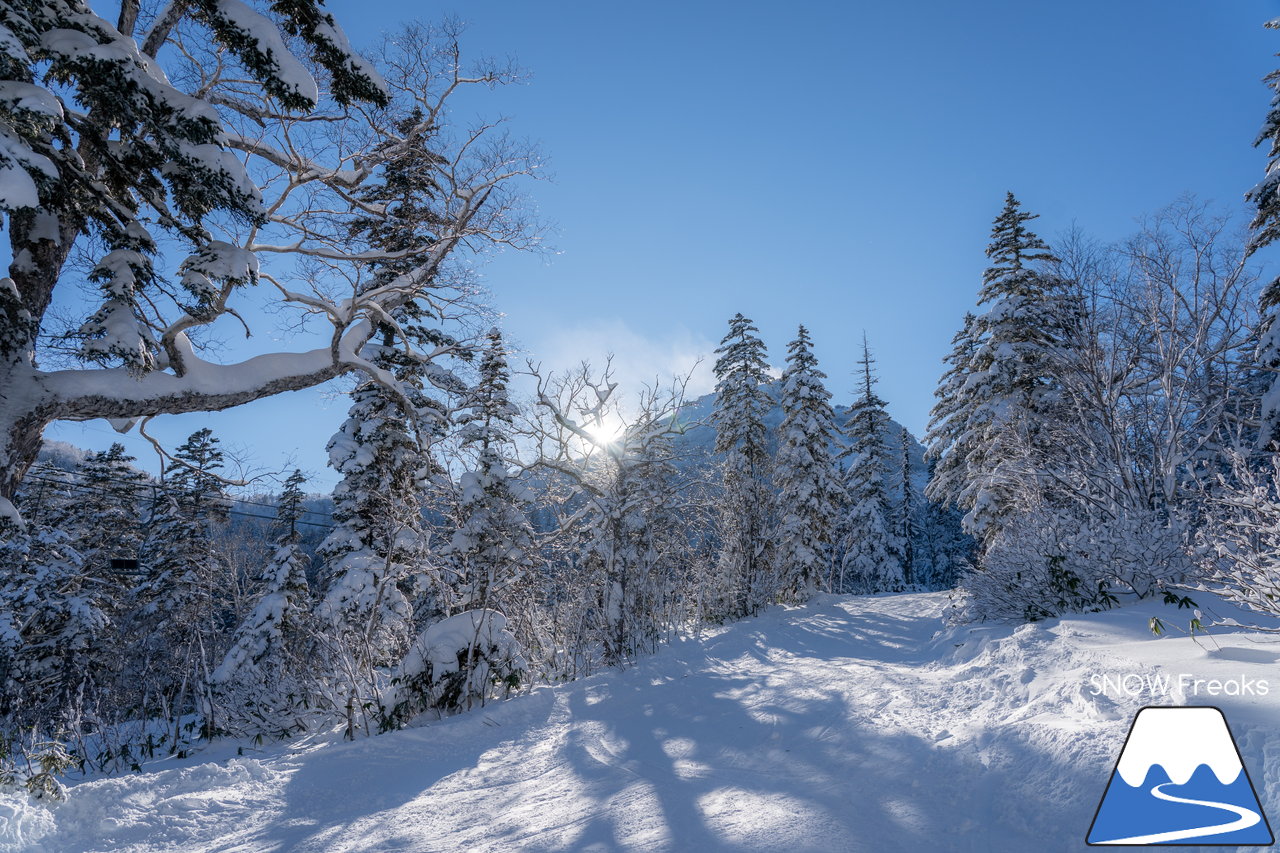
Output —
<point x="1133" y="684"/>
<point x="1180" y="780"/>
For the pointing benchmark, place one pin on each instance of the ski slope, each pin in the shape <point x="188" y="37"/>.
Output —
<point x="853" y="723"/>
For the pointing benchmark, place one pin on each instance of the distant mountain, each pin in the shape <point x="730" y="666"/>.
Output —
<point x="696" y="446"/>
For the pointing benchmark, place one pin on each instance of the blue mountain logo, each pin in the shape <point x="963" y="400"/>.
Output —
<point x="1180" y="781"/>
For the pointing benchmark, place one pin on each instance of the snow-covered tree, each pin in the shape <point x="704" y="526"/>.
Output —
<point x="175" y="193"/>
<point x="906" y="527"/>
<point x="46" y="496"/>
<point x="949" y="440"/>
<point x="111" y="492"/>
<point x="1266" y="229"/>
<point x="1001" y="389"/>
<point x="53" y="619"/>
<point x="380" y="539"/>
<point x="260" y="686"/>
<point x="626" y="530"/>
<point x="742" y="399"/>
<point x="871" y="559"/>
<point x="492" y="546"/>
<point x="182" y="604"/>
<point x="810" y="494"/>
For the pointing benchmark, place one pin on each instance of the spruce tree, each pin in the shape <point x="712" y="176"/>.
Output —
<point x="109" y="511"/>
<point x="1265" y="226"/>
<point x="375" y="559"/>
<point x="260" y="685"/>
<point x="870" y="562"/>
<point x="379" y="541"/>
<point x="949" y="441"/>
<point x="741" y="402"/>
<point x="1001" y="392"/>
<point x="907" y="527"/>
<point x="492" y="546"/>
<point x="808" y="482"/>
<point x="181" y="608"/>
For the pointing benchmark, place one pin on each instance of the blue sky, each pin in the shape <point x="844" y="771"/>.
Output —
<point x="832" y="164"/>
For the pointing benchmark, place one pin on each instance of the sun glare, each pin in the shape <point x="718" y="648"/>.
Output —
<point x="606" y="432"/>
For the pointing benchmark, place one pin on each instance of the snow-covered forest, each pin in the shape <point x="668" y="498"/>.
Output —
<point x="1105" y="430"/>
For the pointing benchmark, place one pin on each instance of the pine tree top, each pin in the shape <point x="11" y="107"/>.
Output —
<point x="1013" y="246"/>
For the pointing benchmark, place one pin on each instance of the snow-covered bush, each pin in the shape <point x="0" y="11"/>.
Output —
<point x="1039" y="565"/>
<point x="1241" y="554"/>
<point x="1143" y="554"/>
<point x="456" y="663"/>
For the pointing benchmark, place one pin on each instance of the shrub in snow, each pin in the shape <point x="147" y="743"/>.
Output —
<point x="1144" y="554"/>
<point x="456" y="663"/>
<point x="1039" y="565"/>
<point x="1241" y="555"/>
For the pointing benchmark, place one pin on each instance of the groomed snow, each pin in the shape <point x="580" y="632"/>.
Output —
<point x="849" y="724"/>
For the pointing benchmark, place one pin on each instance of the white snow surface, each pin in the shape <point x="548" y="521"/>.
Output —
<point x="849" y="724"/>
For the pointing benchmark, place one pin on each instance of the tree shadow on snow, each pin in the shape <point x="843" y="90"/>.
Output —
<point x="691" y="751"/>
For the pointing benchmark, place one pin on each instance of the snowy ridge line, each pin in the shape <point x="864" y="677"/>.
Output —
<point x="1179" y="739"/>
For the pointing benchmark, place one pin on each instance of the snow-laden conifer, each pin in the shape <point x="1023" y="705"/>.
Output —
<point x="810" y="494"/>
<point x="870" y="560"/>
<point x="262" y="685"/>
<point x="1001" y="392"/>
<point x="492" y="545"/>
<point x="742" y="399"/>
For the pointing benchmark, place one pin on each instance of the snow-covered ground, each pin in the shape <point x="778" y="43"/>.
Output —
<point x="850" y="724"/>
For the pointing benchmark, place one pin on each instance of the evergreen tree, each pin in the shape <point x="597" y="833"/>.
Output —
<point x="907" y="528"/>
<point x="741" y="402"/>
<point x="376" y="558"/>
<point x="53" y="621"/>
<point x="870" y="562"/>
<point x="260" y="686"/>
<point x="108" y="511"/>
<point x="948" y="438"/>
<point x="182" y="608"/>
<point x="805" y="474"/>
<point x="1001" y="392"/>
<point x="379" y="541"/>
<point x="492" y="545"/>
<point x="1266" y="229"/>
<point x="46" y="496"/>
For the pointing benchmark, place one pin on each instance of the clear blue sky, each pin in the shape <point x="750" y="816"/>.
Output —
<point x="832" y="164"/>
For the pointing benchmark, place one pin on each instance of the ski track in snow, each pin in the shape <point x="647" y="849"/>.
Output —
<point x="849" y="724"/>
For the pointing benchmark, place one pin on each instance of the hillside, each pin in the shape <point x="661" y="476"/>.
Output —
<point x="850" y="724"/>
<point x="696" y="444"/>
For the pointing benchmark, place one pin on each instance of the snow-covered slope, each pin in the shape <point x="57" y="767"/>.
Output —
<point x="849" y="724"/>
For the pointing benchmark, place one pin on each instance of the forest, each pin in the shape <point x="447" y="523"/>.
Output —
<point x="1105" y="428"/>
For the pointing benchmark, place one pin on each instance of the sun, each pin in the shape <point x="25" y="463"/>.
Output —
<point x="607" y="431"/>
